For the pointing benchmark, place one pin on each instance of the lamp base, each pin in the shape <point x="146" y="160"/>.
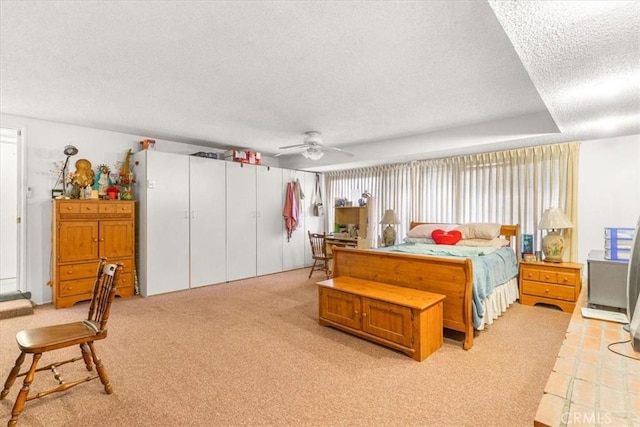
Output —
<point x="389" y="236"/>
<point x="553" y="247"/>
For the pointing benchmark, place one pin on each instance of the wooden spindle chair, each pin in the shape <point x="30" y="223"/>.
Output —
<point x="319" y="253"/>
<point x="37" y="341"/>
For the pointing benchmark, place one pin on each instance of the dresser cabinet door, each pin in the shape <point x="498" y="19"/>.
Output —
<point x="78" y="241"/>
<point x="116" y="239"/>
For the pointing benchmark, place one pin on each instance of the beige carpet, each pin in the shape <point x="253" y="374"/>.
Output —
<point x="15" y="308"/>
<point x="252" y="353"/>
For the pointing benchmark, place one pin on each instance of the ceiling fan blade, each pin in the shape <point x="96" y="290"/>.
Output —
<point x="348" y="153"/>
<point x="286" y="147"/>
<point x="290" y="150"/>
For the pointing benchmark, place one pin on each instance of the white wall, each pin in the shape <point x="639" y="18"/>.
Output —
<point x="608" y="189"/>
<point x="608" y="193"/>
<point x="44" y="142"/>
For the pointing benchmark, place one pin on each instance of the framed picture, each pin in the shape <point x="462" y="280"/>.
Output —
<point x="526" y="246"/>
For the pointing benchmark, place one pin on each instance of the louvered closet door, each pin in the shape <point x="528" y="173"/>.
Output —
<point x="207" y="221"/>
<point x="270" y="223"/>
<point x="241" y="220"/>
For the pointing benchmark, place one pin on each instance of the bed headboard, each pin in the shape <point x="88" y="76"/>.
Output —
<point x="509" y="232"/>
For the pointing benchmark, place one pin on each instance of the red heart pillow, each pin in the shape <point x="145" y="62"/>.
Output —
<point x="442" y="237"/>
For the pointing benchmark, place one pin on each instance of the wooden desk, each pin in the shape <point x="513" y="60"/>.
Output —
<point x="349" y="242"/>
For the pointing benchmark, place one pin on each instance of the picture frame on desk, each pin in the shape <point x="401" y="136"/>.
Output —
<point x="526" y="245"/>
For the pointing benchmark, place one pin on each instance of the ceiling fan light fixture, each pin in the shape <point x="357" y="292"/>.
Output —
<point x="313" y="153"/>
<point x="313" y="138"/>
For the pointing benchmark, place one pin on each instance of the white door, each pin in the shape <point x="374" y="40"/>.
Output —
<point x="9" y="214"/>
<point x="167" y="221"/>
<point x="270" y="221"/>
<point x="241" y="220"/>
<point x="293" y="246"/>
<point x="207" y="221"/>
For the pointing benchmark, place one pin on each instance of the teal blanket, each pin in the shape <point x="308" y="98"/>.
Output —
<point x="491" y="267"/>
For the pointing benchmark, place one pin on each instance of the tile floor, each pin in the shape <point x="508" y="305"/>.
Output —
<point x="590" y="385"/>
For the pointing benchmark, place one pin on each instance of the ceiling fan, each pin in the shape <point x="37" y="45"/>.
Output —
<point x="314" y="148"/>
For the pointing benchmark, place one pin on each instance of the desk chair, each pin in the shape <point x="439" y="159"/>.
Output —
<point x="37" y="341"/>
<point x="319" y="252"/>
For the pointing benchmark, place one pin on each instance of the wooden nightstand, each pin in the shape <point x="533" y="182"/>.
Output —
<point x="550" y="283"/>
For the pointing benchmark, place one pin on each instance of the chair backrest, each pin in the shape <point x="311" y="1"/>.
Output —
<point x="104" y="291"/>
<point x="318" y="244"/>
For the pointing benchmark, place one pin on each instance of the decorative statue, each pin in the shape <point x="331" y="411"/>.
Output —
<point x="103" y="181"/>
<point x="82" y="177"/>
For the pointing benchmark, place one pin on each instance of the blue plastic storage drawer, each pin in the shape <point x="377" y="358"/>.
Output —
<point x="617" y="254"/>
<point x="614" y="233"/>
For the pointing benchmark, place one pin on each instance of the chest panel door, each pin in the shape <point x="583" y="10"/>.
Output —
<point x="389" y="321"/>
<point x="340" y="307"/>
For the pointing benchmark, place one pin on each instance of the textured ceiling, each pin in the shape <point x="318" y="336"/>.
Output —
<point x="388" y="81"/>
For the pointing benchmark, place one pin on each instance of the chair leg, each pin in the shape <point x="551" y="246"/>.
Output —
<point x="12" y="376"/>
<point x="102" y="372"/>
<point x="86" y="355"/>
<point x="313" y="267"/>
<point x="24" y="391"/>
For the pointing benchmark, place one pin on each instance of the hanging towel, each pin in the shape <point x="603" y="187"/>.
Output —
<point x="290" y="211"/>
<point x="299" y="195"/>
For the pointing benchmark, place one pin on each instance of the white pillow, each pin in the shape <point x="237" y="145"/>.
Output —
<point x="479" y="230"/>
<point x="425" y="230"/>
<point x="496" y="242"/>
<point x="426" y="240"/>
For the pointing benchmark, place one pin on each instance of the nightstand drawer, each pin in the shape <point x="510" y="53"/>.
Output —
<point x="548" y="276"/>
<point x="549" y="290"/>
<point x="529" y="273"/>
<point x="569" y="279"/>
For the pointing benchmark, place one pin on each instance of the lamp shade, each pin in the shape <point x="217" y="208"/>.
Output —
<point x="390" y="217"/>
<point x="554" y="219"/>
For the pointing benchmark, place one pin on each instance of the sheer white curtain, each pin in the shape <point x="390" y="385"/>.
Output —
<point x="508" y="187"/>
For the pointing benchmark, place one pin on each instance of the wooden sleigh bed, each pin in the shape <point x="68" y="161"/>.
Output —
<point x="442" y="275"/>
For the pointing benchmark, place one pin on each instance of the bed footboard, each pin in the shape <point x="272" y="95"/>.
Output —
<point x="450" y="277"/>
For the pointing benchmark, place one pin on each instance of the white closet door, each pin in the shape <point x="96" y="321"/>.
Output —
<point x="167" y="222"/>
<point x="270" y="223"/>
<point x="207" y="221"/>
<point x="293" y="247"/>
<point x="241" y="220"/>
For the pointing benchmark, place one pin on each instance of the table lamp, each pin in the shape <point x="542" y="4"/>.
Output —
<point x="389" y="233"/>
<point x="554" y="220"/>
<point x="69" y="150"/>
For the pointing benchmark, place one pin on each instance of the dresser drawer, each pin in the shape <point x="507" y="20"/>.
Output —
<point x="68" y="207"/>
<point x="78" y="271"/>
<point x="116" y="208"/>
<point x="549" y="290"/>
<point x="125" y="281"/>
<point x="77" y="287"/>
<point x="88" y="208"/>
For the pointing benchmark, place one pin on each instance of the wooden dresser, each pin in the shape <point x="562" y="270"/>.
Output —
<point x="557" y="284"/>
<point x="83" y="232"/>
